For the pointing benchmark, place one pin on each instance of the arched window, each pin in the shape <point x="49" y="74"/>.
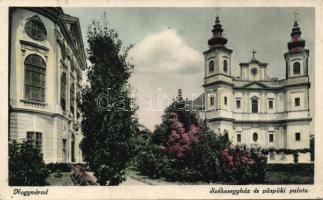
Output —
<point x="36" y="29"/>
<point x="255" y="137"/>
<point x="63" y="91"/>
<point x="296" y="68"/>
<point x="254" y="106"/>
<point x="225" y="66"/>
<point x="72" y="97"/>
<point x="211" y="66"/>
<point x="35" y="77"/>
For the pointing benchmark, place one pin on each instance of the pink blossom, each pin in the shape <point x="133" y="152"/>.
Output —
<point x="179" y="141"/>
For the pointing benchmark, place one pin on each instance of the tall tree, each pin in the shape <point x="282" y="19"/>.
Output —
<point x="108" y="123"/>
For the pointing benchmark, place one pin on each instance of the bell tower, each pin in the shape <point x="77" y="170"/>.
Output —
<point x="218" y="81"/>
<point x="297" y="56"/>
<point x="218" y="57"/>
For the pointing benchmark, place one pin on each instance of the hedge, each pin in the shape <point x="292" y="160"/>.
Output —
<point x="63" y="167"/>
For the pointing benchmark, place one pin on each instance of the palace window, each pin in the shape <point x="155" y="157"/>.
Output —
<point x="271" y="104"/>
<point x="64" y="152"/>
<point x="298" y="136"/>
<point x="35" y="138"/>
<point x="272" y="155"/>
<point x="271" y="137"/>
<point x="63" y="91"/>
<point x="35" y="75"/>
<point x="73" y="148"/>
<point x="297" y="101"/>
<point x="238" y="137"/>
<point x="225" y="66"/>
<point x="238" y="103"/>
<point x="255" y="137"/>
<point x="72" y="97"/>
<point x="212" y="101"/>
<point x="254" y="106"/>
<point x="297" y="68"/>
<point x="211" y="66"/>
<point x="225" y="100"/>
<point x="36" y="29"/>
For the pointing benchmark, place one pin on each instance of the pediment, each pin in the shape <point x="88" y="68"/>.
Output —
<point x="255" y="85"/>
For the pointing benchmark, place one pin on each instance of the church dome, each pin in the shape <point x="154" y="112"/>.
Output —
<point x="297" y="43"/>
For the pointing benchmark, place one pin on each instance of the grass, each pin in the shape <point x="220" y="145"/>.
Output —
<point x="289" y="177"/>
<point x="282" y="175"/>
<point x="273" y="176"/>
<point x="65" y="180"/>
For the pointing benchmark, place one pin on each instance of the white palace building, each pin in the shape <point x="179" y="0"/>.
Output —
<point x="255" y="109"/>
<point x="47" y="57"/>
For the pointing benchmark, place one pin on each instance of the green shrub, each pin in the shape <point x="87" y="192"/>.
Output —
<point x="58" y="174"/>
<point x="63" y="167"/>
<point x="26" y="165"/>
<point x="151" y="161"/>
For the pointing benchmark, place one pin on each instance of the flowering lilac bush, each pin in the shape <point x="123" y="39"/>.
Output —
<point x="179" y="142"/>
<point x="240" y="165"/>
<point x="183" y="148"/>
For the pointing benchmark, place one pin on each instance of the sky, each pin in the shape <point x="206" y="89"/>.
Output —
<point x="169" y="44"/>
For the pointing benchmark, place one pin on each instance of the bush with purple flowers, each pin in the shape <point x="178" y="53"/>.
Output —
<point x="183" y="148"/>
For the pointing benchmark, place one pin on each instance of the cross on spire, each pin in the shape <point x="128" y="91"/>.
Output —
<point x="295" y="15"/>
<point x="217" y="11"/>
<point x="253" y="54"/>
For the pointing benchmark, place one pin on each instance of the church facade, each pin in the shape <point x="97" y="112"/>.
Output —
<point x="253" y="108"/>
<point x="47" y="57"/>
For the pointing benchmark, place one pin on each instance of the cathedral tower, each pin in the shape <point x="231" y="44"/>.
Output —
<point x="218" y="81"/>
<point x="218" y="57"/>
<point x="297" y="91"/>
<point x="297" y="56"/>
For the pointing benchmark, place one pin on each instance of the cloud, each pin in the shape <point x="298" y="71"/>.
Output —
<point x="168" y="52"/>
<point x="164" y="62"/>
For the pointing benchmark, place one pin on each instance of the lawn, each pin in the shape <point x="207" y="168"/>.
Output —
<point x="283" y="174"/>
<point x="64" y="180"/>
<point x="289" y="177"/>
<point x="275" y="174"/>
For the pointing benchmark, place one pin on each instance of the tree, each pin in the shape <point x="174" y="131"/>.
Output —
<point x="108" y="123"/>
<point x="182" y="147"/>
<point x="26" y="165"/>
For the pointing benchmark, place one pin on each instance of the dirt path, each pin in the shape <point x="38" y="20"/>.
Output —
<point x="131" y="181"/>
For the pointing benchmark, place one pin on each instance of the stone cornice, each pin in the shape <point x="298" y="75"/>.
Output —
<point x="25" y="110"/>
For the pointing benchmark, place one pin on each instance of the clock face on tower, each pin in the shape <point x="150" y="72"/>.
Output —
<point x="254" y="71"/>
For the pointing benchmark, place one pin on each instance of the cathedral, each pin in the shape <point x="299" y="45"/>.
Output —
<point x="47" y="59"/>
<point x="253" y="108"/>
